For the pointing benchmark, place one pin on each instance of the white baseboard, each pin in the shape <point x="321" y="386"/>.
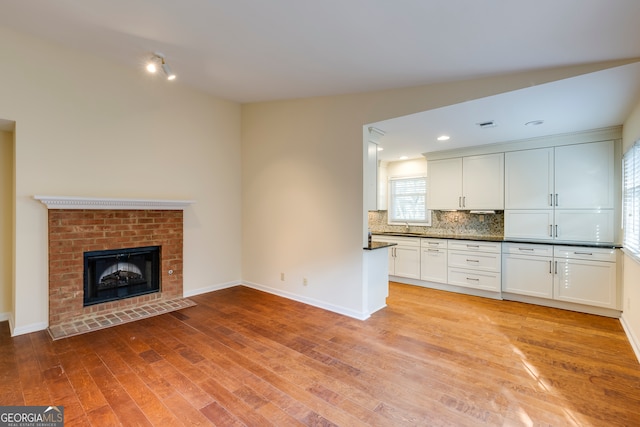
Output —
<point x="211" y="288"/>
<point x="310" y="301"/>
<point x="34" y="327"/>
<point x="633" y="340"/>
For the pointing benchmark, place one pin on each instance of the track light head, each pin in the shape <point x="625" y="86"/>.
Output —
<point x="158" y="59"/>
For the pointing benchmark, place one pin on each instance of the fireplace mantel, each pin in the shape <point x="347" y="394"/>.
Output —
<point x="62" y="202"/>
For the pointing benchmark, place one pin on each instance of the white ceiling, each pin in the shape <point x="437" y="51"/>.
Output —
<point x="251" y="51"/>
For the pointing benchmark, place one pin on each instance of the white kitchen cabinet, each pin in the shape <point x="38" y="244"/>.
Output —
<point x="444" y="178"/>
<point x="584" y="176"/>
<point x="474" y="264"/>
<point x="528" y="179"/>
<point x="404" y="258"/>
<point x="572" y="274"/>
<point x="474" y="182"/>
<point x="371" y="177"/>
<point x="433" y="260"/>
<point x="586" y="276"/>
<point x="563" y="194"/>
<point x="527" y="269"/>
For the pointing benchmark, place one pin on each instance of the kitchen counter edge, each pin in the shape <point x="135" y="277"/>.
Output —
<point x="489" y="238"/>
<point x="378" y="245"/>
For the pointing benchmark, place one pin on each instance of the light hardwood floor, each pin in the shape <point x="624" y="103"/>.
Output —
<point x="243" y="357"/>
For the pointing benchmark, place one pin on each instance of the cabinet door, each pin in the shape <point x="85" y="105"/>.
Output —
<point x="528" y="179"/>
<point x="371" y="177"/>
<point x="584" y="176"/>
<point x="407" y="261"/>
<point x="528" y="224"/>
<point x="585" y="282"/>
<point x="445" y="184"/>
<point x="527" y="275"/>
<point x="483" y="182"/>
<point x="433" y="265"/>
<point x="591" y="225"/>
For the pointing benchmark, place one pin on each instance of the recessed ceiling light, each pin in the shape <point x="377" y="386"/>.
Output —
<point x="534" y="123"/>
<point x="404" y="157"/>
<point x="443" y="138"/>
<point x="380" y="149"/>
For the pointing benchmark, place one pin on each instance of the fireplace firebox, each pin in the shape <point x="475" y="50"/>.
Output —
<point x="120" y="273"/>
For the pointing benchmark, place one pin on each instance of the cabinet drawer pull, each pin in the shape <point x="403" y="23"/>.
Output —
<point x="473" y="260"/>
<point x="556" y="230"/>
<point x="473" y="246"/>
<point x="471" y="278"/>
<point x="550" y="199"/>
<point x="433" y="243"/>
<point x="464" y="201"/>
<point x="556" y="199"/>
<point x="526" y="249"/>
<point x="556" y="271"/>
<point x="433" y="250"/>
<point x="584" y="253"/>
<point x="549" y="267"/>
<point x="550" y="230"/>
<point x="459" y="201"/>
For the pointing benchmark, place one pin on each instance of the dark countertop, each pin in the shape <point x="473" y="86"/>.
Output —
<point x="378" y="245"/>
<point x="490" y="238"/>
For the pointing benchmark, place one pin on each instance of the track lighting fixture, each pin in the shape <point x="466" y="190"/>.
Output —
<point x="159" y="59"/>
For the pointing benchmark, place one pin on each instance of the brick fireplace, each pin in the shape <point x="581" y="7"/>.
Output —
<point x="80" y="225"/>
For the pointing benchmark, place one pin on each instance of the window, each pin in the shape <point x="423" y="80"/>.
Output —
<point x="408" y="201"/>
<point x="631" y="199"/>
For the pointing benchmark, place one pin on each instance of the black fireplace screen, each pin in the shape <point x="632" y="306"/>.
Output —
<point x="120" y="273"/>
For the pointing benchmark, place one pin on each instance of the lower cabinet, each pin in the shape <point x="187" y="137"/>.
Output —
<point x="433" y="260"/>
<point x="404" y="258"/>
<point x="474" y="264"/>
<point x="573" y="274"/>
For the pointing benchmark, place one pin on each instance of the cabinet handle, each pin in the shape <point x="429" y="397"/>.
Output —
<point x="433" y="250"/>
<point x="556" y="230"/>
<point x="459" y="201"/>
<point x="550" y="199"/>
<point x="473" y="246"/>
<point x="549" y="267"/>
<point x="464" y="201"/>
<point x="550" y="230"/>
<point x="471" y="278"/>
<point x="526" y="249"/>
<point x="556" y="271"/>
<point x="556" y="199"/>
<point x="584" y="253"/>
<point x="473" y="260"/>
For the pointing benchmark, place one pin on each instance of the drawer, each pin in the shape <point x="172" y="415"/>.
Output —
<point x="473" y="279"/>
<point x="405" y="241"/>
<point x="433" y="243"/>
<point x="576" y="252"/>
<point x="476" y="246"/>
<point x="527" y="249"/>
<point x="475" y="260"/>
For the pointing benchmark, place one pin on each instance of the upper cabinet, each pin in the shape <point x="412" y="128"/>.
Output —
<point x="467" y="183"/>
<point x="564" y="193"/>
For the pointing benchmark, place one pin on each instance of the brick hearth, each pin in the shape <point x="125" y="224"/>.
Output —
<point x="75" y="231"/>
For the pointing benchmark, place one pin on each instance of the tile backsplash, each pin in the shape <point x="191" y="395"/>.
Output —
<point x="445" y="223"/>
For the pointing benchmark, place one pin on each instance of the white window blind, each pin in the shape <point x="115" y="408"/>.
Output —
<point x="631" y="199"/>
<point x="408" y="200"/>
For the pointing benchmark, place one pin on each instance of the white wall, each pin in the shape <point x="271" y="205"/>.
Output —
<point x="631" y="272"/>
<point x="411" y="167"/>
<point x="86" y="127"/>
<point x="302" y="173"/>
<point x="6" y="223"/>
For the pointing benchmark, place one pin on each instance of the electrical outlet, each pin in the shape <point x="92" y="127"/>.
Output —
<point x="304" y="281"/>
<point x="282" y="276"/>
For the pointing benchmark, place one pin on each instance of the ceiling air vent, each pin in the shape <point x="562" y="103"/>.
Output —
<point x="487" y="124"/>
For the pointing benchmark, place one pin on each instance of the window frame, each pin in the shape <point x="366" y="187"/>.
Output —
<point x="391" y="220"/>
<point x="631" y="201"/>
